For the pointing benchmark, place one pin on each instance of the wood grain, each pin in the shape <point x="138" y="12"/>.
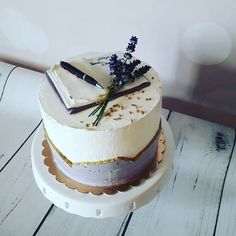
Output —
<point x="19" y="110"/>
<point x="22" y="206"/>
<point x="189" y="202"/>
<point x="226" y="222"/>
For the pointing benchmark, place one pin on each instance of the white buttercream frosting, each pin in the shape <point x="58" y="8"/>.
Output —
<point x="123" y="132"/>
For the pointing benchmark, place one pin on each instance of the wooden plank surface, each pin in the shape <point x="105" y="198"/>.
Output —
<point x="199" y="198"/>
<point x="226" y="222"/>
<point x="189" y="202"/>
<point x="22" y="206"/>
<point x="19" y="110"/>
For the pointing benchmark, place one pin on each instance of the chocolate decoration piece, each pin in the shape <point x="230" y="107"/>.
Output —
<point x="74" y="110"/>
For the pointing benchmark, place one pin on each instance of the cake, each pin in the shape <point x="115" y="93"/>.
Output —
<point x="119" y="149"/>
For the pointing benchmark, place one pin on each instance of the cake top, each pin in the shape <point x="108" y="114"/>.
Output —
<point x="120" y="112"/>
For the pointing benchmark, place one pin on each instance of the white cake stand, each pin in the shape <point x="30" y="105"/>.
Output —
<point x="102" y="206"/>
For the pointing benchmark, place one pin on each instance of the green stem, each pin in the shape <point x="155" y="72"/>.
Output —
<point x="100" y="115"/>
<point x="102" y="106"/>
<point x="96" y="110"/>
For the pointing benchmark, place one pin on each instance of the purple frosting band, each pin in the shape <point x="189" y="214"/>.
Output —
<point x="109" y="174"/>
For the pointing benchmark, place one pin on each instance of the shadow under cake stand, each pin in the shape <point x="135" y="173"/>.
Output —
<point x="100" y="206"/>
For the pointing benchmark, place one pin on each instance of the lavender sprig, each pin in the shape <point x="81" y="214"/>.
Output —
<point x="122" y="71"/>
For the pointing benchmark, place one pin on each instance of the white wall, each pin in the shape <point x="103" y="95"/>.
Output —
<point x="41" y="33"/>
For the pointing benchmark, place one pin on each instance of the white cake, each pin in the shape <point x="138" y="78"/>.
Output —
<point x="130" y="124"/>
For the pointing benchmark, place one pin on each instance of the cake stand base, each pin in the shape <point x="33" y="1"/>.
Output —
<point x="101" y="206"/>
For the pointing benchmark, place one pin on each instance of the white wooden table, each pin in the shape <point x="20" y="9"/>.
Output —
<point x="199" y="198"/>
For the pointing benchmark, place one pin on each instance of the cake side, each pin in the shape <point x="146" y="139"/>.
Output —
<point x="115" y="173"/>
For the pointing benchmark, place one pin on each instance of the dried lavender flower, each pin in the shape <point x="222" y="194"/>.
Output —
<point x="123" y="71"/>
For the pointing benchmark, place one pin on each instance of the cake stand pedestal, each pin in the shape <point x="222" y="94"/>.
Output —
<point x="101" y="206"/>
